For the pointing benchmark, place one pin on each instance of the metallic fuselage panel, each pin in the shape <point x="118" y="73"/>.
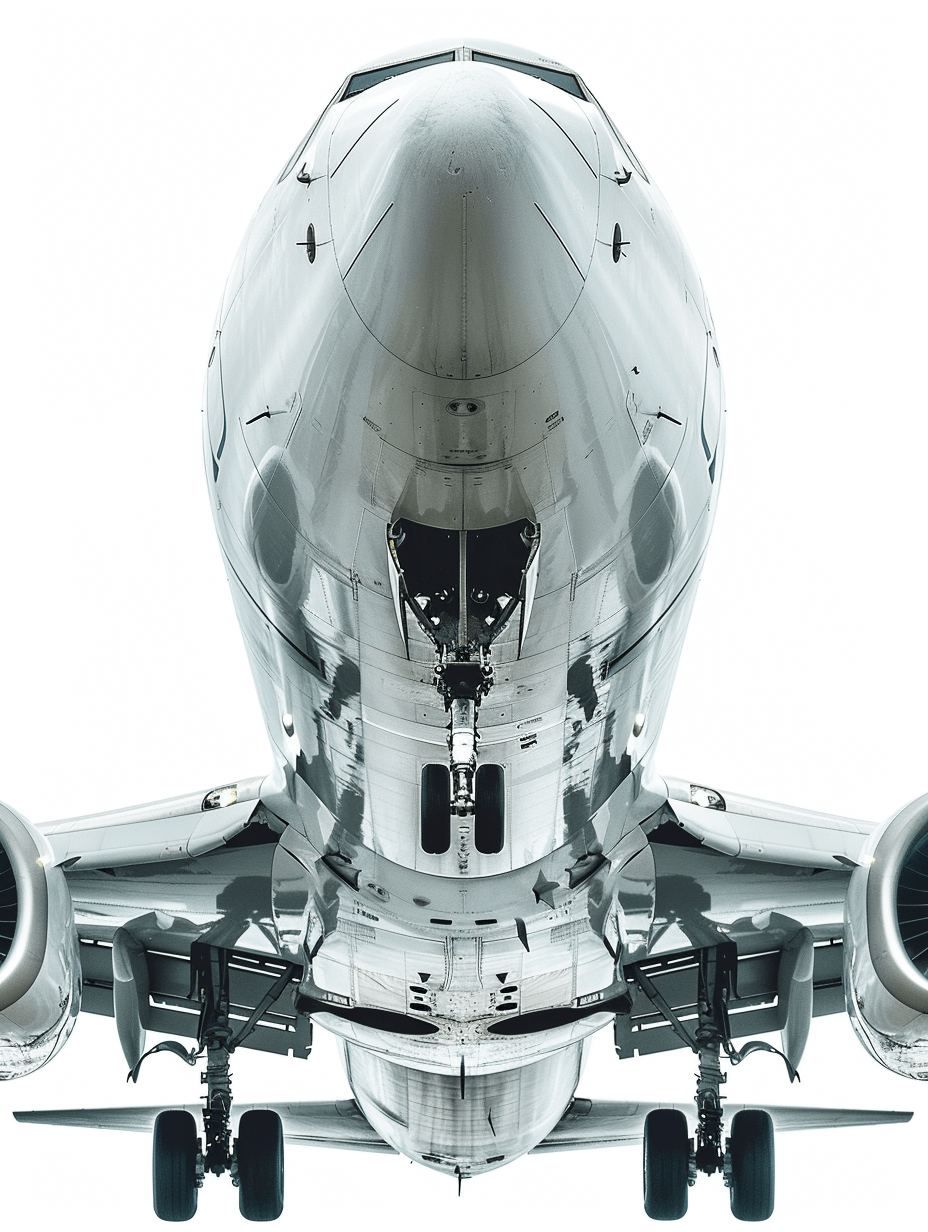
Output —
<point x="475" y="1124"/>
<point x="326" y="419"/>
<point x="463" y="233"/>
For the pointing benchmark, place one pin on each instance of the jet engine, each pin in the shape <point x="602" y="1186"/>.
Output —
<point x="886" y="943"/>
<point x="40" y="980"/>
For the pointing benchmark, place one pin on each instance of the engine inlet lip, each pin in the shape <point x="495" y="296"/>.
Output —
<point x="21" y="967"/>
<point x="892" y="964"/>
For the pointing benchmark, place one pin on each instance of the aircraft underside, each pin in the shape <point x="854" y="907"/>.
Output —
<point x="463" y="430"/>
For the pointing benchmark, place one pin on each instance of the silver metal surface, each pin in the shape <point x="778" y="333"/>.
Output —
<point x="887" y="996"/>
<point x="166" y="830"/>
<point x="40" y="985"/>
<point x="586" y="1124"/>
<point x="460" y="1123"/>
<point x="452" y="311"/>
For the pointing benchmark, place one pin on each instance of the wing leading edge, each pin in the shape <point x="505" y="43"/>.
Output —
<point x="752" y="829"/>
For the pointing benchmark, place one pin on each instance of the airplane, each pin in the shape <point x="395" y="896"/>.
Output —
<point x="464" y="863"/>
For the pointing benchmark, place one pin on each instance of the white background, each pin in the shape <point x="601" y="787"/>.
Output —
<point x="137" y="139"/>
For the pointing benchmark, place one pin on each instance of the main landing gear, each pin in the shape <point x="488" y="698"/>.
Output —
<point x="256" y="1164"/>
<point x="180" y="1158"/>
<point x="747" y="1165"/>
<point x="673" y="1160"/>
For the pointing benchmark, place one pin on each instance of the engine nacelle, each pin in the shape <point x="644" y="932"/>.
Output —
<point x="40" y="970"/>
<point x="886" y="943"/>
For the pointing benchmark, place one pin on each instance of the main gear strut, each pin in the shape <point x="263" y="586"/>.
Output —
<point x="181" y="1159"/>
<point x="671" y="1162"/>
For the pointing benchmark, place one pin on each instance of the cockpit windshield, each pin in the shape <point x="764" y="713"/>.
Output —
<point x="564" y="81"/>
<point x="374" y="76"/>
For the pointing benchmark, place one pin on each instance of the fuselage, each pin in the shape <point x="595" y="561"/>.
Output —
<point x="463" y="319"/>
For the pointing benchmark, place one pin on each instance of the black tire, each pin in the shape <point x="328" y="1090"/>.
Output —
<point x="666" y="1164"/>
<point x="174" y="1166"/>
<point x="259" y="1151"/>
<point x="489" y="809"/>
<point x="752" y="1166"/>
<point x="435" y="809"/>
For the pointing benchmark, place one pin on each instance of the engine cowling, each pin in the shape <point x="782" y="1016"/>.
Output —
<point x="886" y="943"/>
<point x="40" y="971"/>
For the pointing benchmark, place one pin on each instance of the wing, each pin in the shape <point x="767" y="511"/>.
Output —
<point x="209" y="854"/>
<point x="172" y="829"/>
<point x="342" y="1124"/>
<point x="153" y="888"/>
<point x="333" y="1123"/>
<point x="767" y="883"/>
<point x="738" y="825"/>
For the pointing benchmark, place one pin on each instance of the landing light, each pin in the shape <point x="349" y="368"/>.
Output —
<point x="222" y="797"/>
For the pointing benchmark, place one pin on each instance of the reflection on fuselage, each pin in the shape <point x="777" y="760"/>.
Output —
<point x="432" y="336"/>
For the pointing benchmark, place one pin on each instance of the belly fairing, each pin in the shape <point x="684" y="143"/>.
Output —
<point x="467" y="1125"/>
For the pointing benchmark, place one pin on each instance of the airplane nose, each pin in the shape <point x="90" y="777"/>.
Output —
<point x="463" y="202"/>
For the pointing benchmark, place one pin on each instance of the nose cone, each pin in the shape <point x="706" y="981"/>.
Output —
<point x="463" y="202"/>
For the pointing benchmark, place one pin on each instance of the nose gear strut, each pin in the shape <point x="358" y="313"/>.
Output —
<point x="463" y="682"/>
<point x="462" y="589"/>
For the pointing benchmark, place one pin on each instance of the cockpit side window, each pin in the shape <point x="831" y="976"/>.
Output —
<point x="564" y="81"/>
<point x="374" y="76"/>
